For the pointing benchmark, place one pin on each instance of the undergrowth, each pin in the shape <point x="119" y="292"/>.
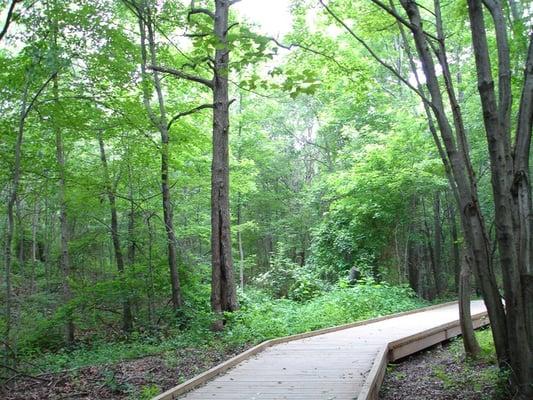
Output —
<point x="481" y="375"/>
<point x="259" y="318"/>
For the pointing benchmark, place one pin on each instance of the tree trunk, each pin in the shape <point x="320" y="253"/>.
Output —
<point x="496" y="118"/>
<point x="63" y="219"/>
<point x="151" y="305"/>
<point x="239" y="240"/>
<point x="465" y="317"/>
<point x="12" y="200"/>
<point x="34" y="243"/>
<point x="223" y="294"/>
<point x="413" y="266"/>
<point x="455" y="247"/>
<point x="521" y="192"/>
<point x="127" y="319"/>
<point x="437" y="243"/>
<point x="147" y="34"/>
<point x="476" y="240"/>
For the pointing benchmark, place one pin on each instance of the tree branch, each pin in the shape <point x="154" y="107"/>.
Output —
<point x="189" y="112"/>
<point x="375" y="56"/>
<point x="204" y="11"/>
<point x="183" y="75"/>
<point x="399" y="18"/>
<point x="34" y="99"/>
<point x="9" y="18"/>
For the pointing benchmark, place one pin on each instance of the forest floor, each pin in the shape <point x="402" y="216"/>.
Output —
<point x="443" y="373"/>
<point x="144" y="365"/>
<point x="139" y="379"/>
<point x="440" y="373"/>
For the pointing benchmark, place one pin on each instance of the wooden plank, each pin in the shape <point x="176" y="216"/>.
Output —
<point x="341" y="363"/>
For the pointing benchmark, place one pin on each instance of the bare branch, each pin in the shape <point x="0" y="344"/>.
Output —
<point x="399" y="18"/>
<point x="232" y="26"/>
<point x="34" y="99"/>
<point x="183" y="75"/>
<point x="375" y="56"/>
<point x="189" y="112"/>
<point x="204" y="11"/>
<point x="9" y="18"/>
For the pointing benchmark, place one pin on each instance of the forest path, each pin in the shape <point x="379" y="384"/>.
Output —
<point x="346" y="364"/>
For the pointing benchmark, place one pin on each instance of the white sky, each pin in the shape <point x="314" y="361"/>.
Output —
<point x="272" y="16"/>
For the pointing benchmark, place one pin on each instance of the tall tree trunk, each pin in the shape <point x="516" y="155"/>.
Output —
<point x="34" y="243"/>
<point x="476" y="239"/>
<point x="63" y="219"/>
<point x="223" y="293"/>
<point x="151" y="305"/>
<point x="496" y="118"/>
<point x="148" y="49"/>
<point x="12" y="200"/>
<point x="521" y="192"/>
<point x="127" y="319"/>
<point x="239" y="199"/>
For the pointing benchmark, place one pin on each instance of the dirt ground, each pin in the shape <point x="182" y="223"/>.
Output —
<point x="133" y="380"/>
<point x="436" y="374"/>
<point x="440" y="374"/>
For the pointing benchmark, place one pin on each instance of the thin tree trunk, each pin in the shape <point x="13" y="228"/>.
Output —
<point x="63" y="219"/>
<point x="239" y="240"/>
<point x="20" y="234"/>
<point x="127" y="319"/>
<point x="467" y="329"/>
<point x="147" y="35"/>
<point x="151" y="305"/>
<point x="437" y="234"/>
<point x="34" y="248"/>
<point x="455" y="247"/>
<point x="12" y="200"/>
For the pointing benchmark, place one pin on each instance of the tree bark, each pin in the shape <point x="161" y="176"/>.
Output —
<point x="496" y="118"/>
<point x="467" y="329"/>
<point x="223" y="293"/>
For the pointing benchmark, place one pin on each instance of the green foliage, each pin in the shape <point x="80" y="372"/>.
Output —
<point x="287" y="279"/>
<point x="262" y="318"/>
<point x="148" y="392"/>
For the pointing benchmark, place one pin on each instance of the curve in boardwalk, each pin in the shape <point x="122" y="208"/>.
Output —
<point x="343" y="363"/>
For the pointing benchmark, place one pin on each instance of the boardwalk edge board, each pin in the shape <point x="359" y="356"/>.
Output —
<point x="173" y="393"/>
<point x="410" y="345"/>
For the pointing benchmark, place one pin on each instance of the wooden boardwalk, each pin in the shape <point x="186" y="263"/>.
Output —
<point x="346" y="364"/>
